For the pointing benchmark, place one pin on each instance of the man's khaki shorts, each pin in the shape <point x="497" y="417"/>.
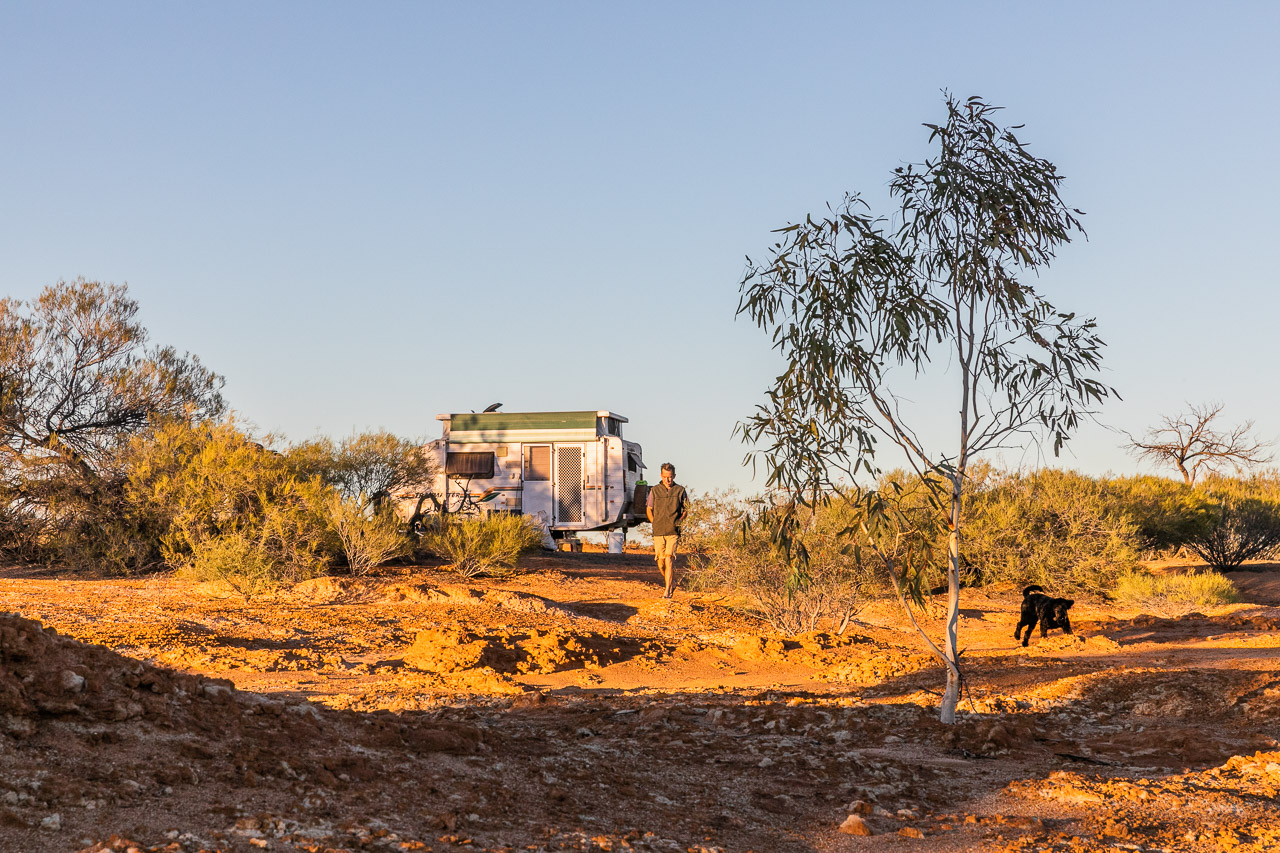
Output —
<point x="664" y="546"/>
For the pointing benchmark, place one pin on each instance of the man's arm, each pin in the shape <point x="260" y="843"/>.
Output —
<point x="648" y="506"/>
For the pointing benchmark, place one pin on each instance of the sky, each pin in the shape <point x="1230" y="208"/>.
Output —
<point x="363" y="215"/>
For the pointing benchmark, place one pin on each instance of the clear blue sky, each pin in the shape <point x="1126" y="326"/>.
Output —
<point x="365" y="214"/>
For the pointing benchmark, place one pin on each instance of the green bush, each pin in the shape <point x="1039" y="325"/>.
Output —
<point x="1167" y="514"/>
<point x="491" y="544"/>
<point x="1053" y="527"/>
<point x="1245" y="529"/>
<point x="1174" y="594"/>
<point x="236" y="511"/>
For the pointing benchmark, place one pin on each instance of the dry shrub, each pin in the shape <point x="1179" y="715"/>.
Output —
<point x="491" y="544"/>
<point x="796" y="591"/>
<point x="1174" y="594"/>
<point x="712" y="519"/>
<point x="370" y="536"/>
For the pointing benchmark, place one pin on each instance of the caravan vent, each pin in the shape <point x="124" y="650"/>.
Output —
<point x="470" y="465"/>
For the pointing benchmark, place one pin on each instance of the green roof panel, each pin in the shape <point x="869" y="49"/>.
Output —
<point x="490" y="421"/>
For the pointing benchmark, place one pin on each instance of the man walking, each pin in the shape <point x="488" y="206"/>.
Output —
<point x="666" y="509"/>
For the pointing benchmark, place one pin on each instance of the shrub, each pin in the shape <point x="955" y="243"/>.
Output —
<point x="816" y="582"/>
<point x="1052" y="527"/>
<point x="1174" y="594"/>
<point x="236" y="511"/>
<point x="1246" y="529"/>
<point x="370" y="536"/>
<point x="713" y="519"/>
<point x="1167" y="514"/>
<point x="491" y="544"/>
<point x="285" y="541"/>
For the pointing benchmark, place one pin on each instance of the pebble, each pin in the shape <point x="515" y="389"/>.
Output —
<point x="854" y="825"/>
<point x="52" y="822"/>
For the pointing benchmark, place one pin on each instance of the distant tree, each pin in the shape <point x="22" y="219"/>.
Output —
<point x="77" y="382"/>
<point x="848" y="298"/>
<point x="1190" y="442"/>
<point x="369" y="466"/>
<point x="77" y="377"/>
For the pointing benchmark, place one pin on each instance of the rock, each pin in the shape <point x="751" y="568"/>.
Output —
<point x="854" y="825"/>
<point x="304" y="709"/>
<point x="1116" y="829"/>
<point x="859" y="807"/>
<point x="53" y="822"/>
<point x="72" y="682"/>
<point x="910" y="832"/>
<point x="215" y="690"/>
<point x="754" y="647"/>
<point x="999" y="737"/>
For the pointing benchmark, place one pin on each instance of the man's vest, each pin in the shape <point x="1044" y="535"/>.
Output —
<point x="669" y="506"/>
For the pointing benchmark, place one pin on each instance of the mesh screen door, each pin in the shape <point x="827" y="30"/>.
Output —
<point x="568" y="484"/>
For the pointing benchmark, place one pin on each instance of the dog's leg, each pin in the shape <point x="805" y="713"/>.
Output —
<point x="1031" y="626"/>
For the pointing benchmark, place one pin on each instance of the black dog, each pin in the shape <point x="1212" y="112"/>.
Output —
<point x="1038" y="607"/>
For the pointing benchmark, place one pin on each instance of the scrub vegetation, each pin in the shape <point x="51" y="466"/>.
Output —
<point x="1070" y="532"/>
<point x="121" y="458"/>
<point x="488" y="545"/>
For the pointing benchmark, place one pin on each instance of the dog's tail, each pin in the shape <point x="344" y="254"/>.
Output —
<point x="1035" y="587"/>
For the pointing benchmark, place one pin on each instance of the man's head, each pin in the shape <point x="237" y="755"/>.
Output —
<point x="668" y="473"/>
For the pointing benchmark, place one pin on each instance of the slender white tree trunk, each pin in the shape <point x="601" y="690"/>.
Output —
<point x="951" y="697"/>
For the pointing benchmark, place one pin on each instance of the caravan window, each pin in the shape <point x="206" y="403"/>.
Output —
<point x="537" y="462"/>
<point x="473" y="464"/>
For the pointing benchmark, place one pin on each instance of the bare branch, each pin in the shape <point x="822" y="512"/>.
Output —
<point x="1191" y="443"/>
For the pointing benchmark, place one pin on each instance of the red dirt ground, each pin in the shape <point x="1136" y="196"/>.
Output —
<point x="572" y="709"/>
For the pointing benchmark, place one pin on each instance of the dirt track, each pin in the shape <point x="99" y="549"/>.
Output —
<point x="572" y="709"/>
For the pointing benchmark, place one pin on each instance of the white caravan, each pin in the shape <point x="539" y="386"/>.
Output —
<point x="573" y="471"/>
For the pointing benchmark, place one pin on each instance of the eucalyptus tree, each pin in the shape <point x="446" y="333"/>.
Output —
<point x="77" y="379"/>
<point x="862" y="307"/>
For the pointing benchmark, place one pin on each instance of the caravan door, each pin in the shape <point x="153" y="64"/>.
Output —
<point x="567" y="485"/>
<point x="535" y="498"/>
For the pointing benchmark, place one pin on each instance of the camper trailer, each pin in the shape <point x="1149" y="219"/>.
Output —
<point x="573" y="471"/>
